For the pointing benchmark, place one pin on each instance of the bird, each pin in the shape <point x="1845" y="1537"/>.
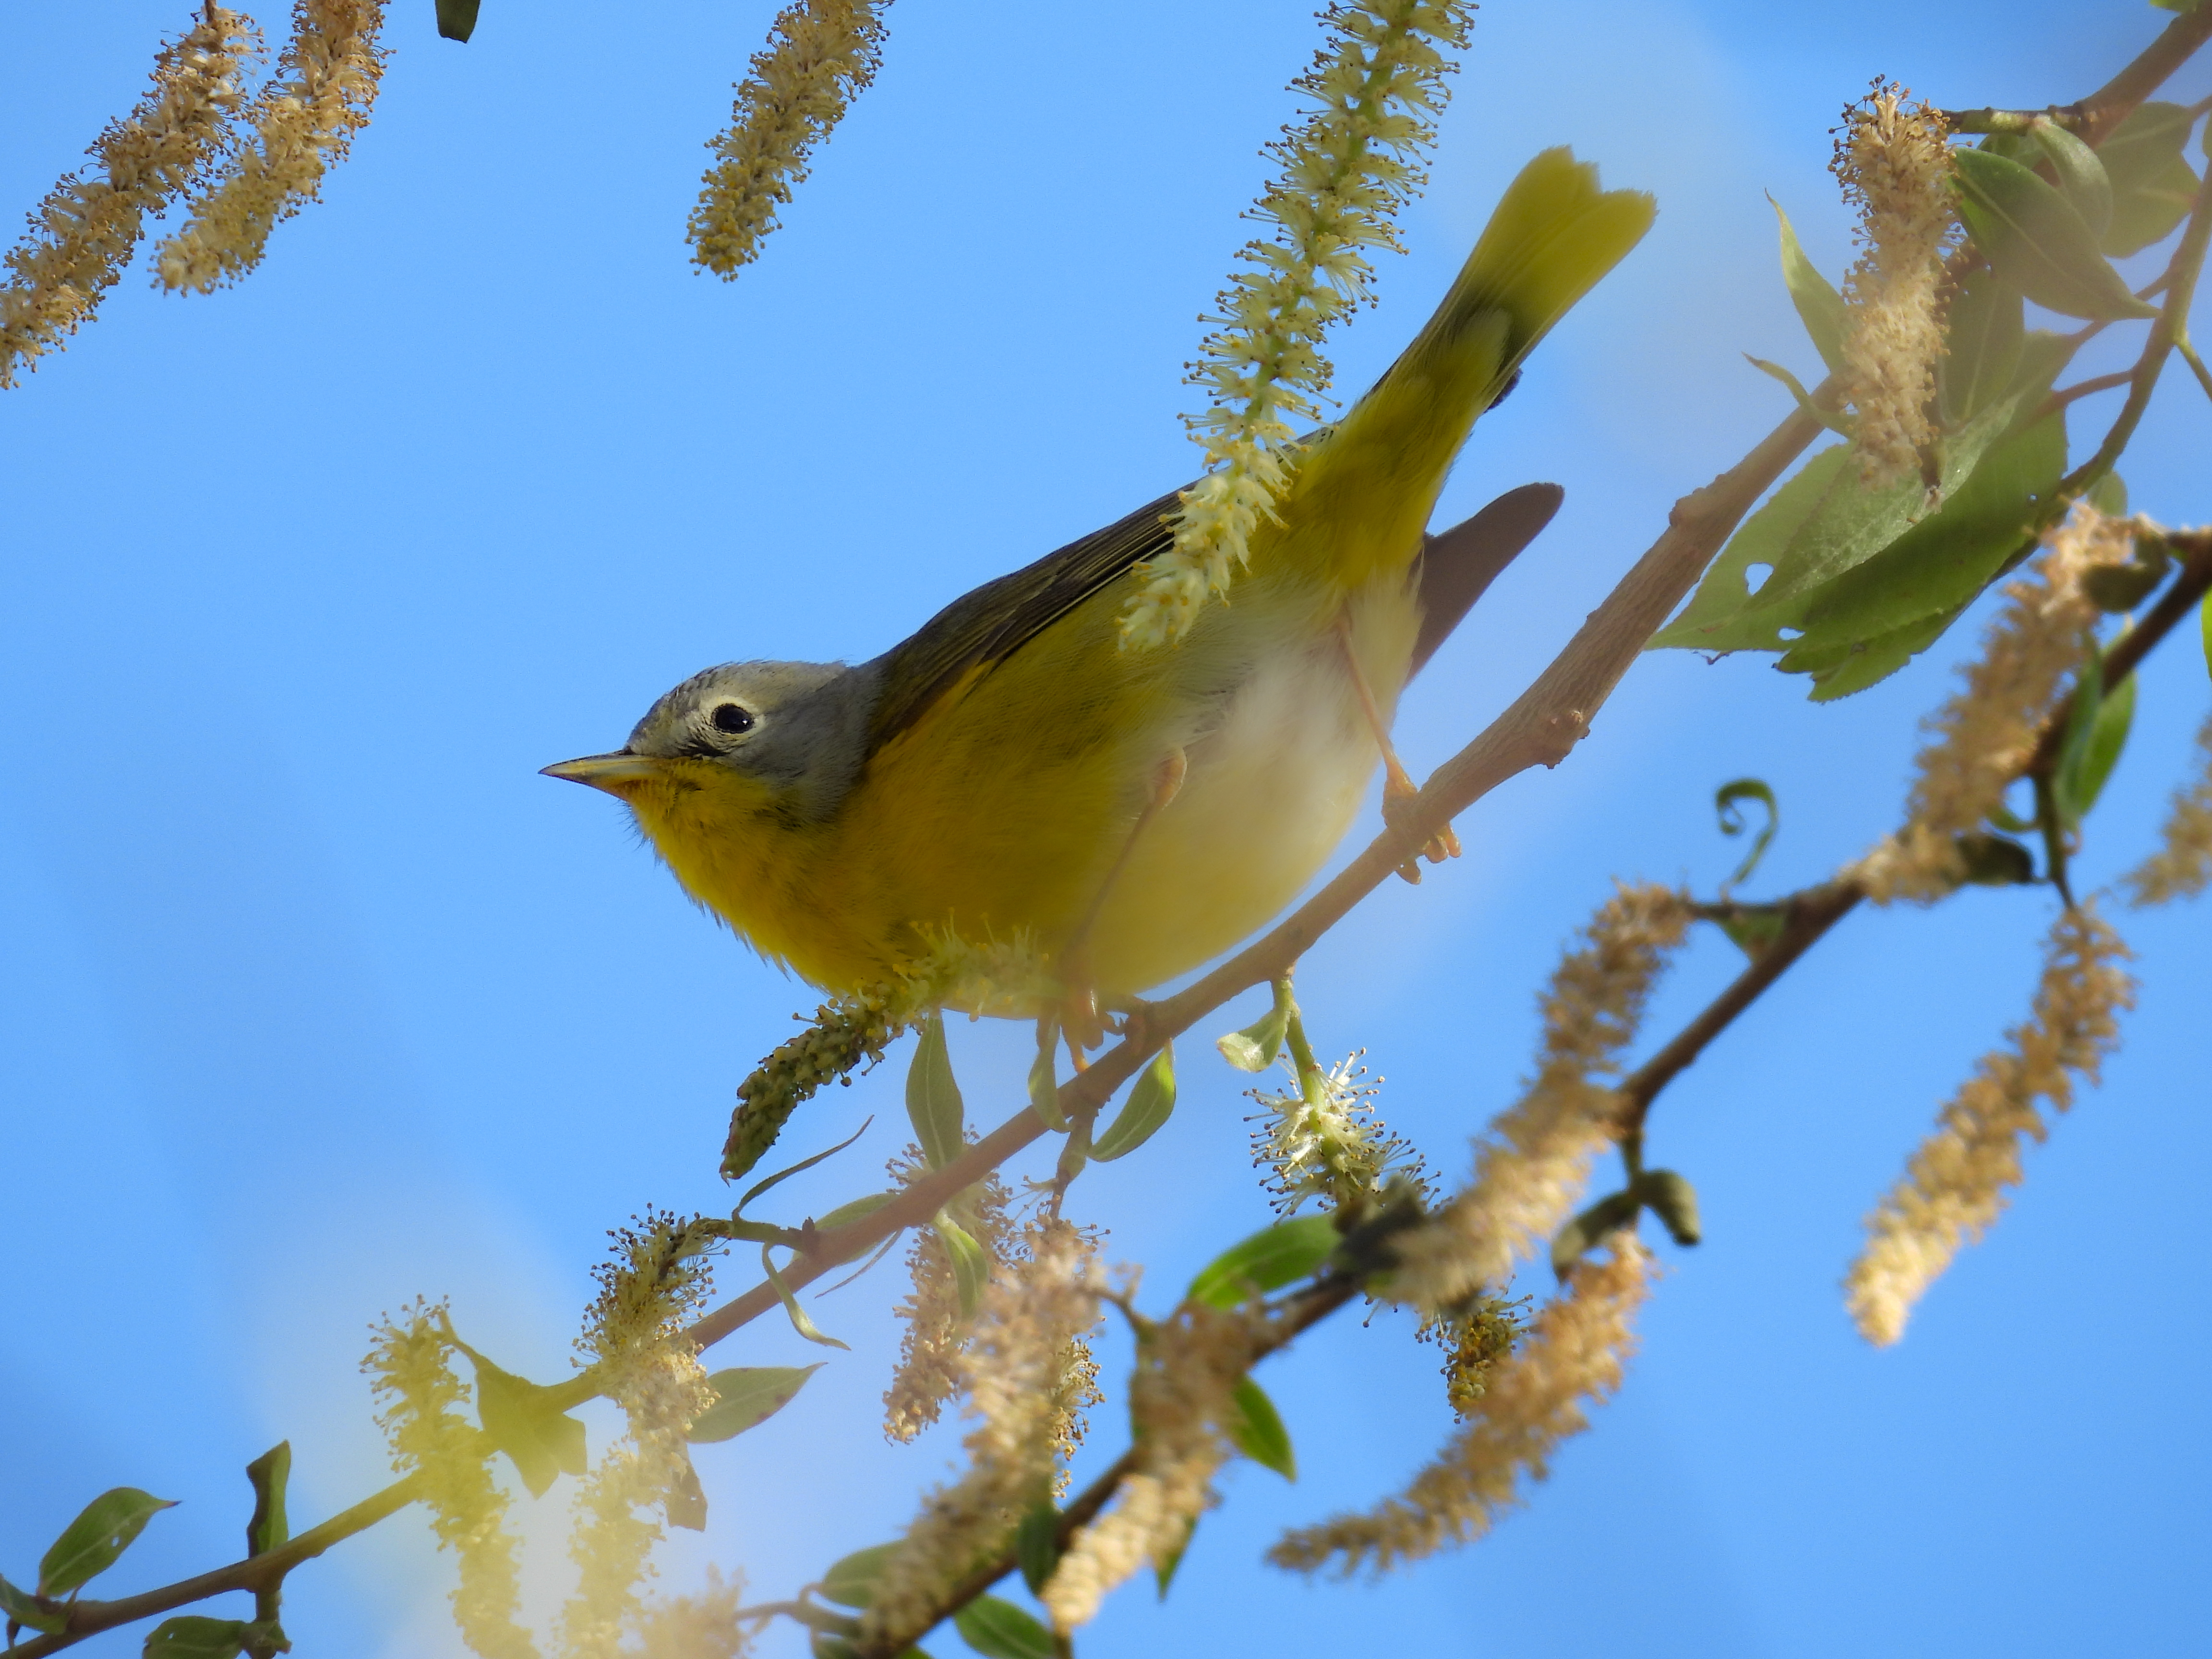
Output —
<point x="1015" y="771"/>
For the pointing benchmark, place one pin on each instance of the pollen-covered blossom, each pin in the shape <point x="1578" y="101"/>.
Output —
<point x="1573" y="1357"/>
<point x="1187" y="1368"/>
<point x="1322" y="1139"/>
<point x="413" y="1380"/>
<point x="1894" y="162"/>
<point x="304" y="119"/>
<point x="634" y="1338"/>
<point x="702" y="1626"/>
<point x="1533" y="1161"/>
<point x="929" y="1368"/>
<point x="1029" y="1375"/>
<point x="2182" y="866"/>
<point x="1953" y="1189"/>
<point x="1981" y="739"/>
<point x="821" y="54"/>
<point x="86" y="230"/>
<point x="1347" y="170"/>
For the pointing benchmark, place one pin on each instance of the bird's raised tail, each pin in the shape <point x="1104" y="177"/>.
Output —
<point x="1368" y="488"/>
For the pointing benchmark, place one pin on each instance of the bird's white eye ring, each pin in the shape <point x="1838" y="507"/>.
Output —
<point x="730" y="718"/>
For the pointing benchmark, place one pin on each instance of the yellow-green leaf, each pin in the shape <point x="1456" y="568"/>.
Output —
<point x="1267" y="1260"/>
<point x="2037" y="240"/>
<point x="1149" y="1102"/>
<point x="103" y="1529"/>
<point x="1256" y="1427"/>
<point x="999" y="1630"/>
<point x="1820" y="306"/>
<point x="745" y="1395"/>
<point x="933" y="1098"/>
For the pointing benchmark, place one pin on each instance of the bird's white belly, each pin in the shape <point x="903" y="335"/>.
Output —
<point x="1270" y="791"/>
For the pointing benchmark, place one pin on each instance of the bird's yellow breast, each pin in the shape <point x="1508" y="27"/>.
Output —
<point x="1002" y="812"/>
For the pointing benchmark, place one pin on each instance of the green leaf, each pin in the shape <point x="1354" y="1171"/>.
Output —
<point x="456" y="19"/>
<point x="932" y="1098"/>
<point x="1267" y="1260"/>
<point x="760" y="1186"/>
<point x="1044" y="1078"/>
<point x="1036" y="1544"/>
<point x="1824" y="522"/>
<point x="1674" y="1201"/>
<point x="2081" y="177"/>
<point x="271" y="1474"/>
<point x="685" y="1503"/>
<point x="792" y="1311"/>
<point x="851" y="1580"/>
<point x="1149" y="1102"/>
<point x="1165" y="1565"/>
<point x="858" y="1210"/>
<point x="1255" y="1047"/>
<point x="1589" y="1228"/>
<point x="193" y="1636"/>
<point x="2038" y="241"/>
<point x="745" y="1395"/>
<point x="1838" y="423"/>
<point x="2109" y="495"/>
<point x="1752" y="928"/>
<point x="520" y="1418"/>
<point x="1984" y="333"/>
<point x="2152" y="183"/>
<point x="1258" y="1431"/>
<point x="1731" y="817"/>
<point x="1854" y="667"/>
<point x="103" y="1529"/>
<point x="971" y="1263"/>
<point x="1942" y="562"/>
<point x="999" y="1630"/>
<point x="1820" y="306"/>
<point x="20" y="1609"/>
<point x="2096" y="731"/>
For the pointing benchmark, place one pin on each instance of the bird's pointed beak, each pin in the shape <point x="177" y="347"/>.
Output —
<point x="607" y="772"/>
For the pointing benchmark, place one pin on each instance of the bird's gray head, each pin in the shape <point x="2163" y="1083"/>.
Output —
<point x="799" y="727"/>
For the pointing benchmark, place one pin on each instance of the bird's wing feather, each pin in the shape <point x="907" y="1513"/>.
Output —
<point x="1457" y="565"/>
<point x="987" y="626"/>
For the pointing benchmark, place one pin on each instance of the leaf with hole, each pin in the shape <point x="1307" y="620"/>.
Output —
<point x="1150" y="1102"/>
<point x="1257" y="1428"/>
<point x="999" y="1630"/>
<point x="192" y="1636"/>
<point x="1267" y="1260"/>
<point x="1820" y="306"/>
<point x="933" y="1098"/>
<point x="746" y="1396"/>
<point x="90" y="1545"/>
<point x="2037" y="240"/>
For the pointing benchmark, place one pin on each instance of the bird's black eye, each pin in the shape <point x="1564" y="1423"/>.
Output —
<point x="732" y="717"/>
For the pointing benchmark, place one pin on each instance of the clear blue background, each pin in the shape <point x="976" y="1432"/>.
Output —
<point x="315" y="997"/>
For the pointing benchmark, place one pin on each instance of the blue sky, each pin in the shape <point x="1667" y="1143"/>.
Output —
<point x="317" y="998"/>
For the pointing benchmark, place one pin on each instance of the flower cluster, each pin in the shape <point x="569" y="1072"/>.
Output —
<point x="1954" y="1188"/>
<point x="1573" y="1357"/>
<point x="1187" y="1368"/>
<point x="1534" y="1158"/>
<point x="821" y="55"/>
<point x="1982" y="738"/>
<point x="702" y="1626"/>
<point x="1322" y="1139"/>
<point x="1346" y="171"/>
<point x="1029" y="1376"/>
<point x="412" y="1377"/>
<point x="634" y="1339"/>
<point x="304" y="119"/>
<point x="930" y="1370"/>
<point x="2182" y="866"/>
<point x="1894" y="162"/>
<point x="84" y="233"/>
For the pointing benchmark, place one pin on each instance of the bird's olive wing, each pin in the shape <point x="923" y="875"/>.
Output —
<point x="989" y="625"/>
